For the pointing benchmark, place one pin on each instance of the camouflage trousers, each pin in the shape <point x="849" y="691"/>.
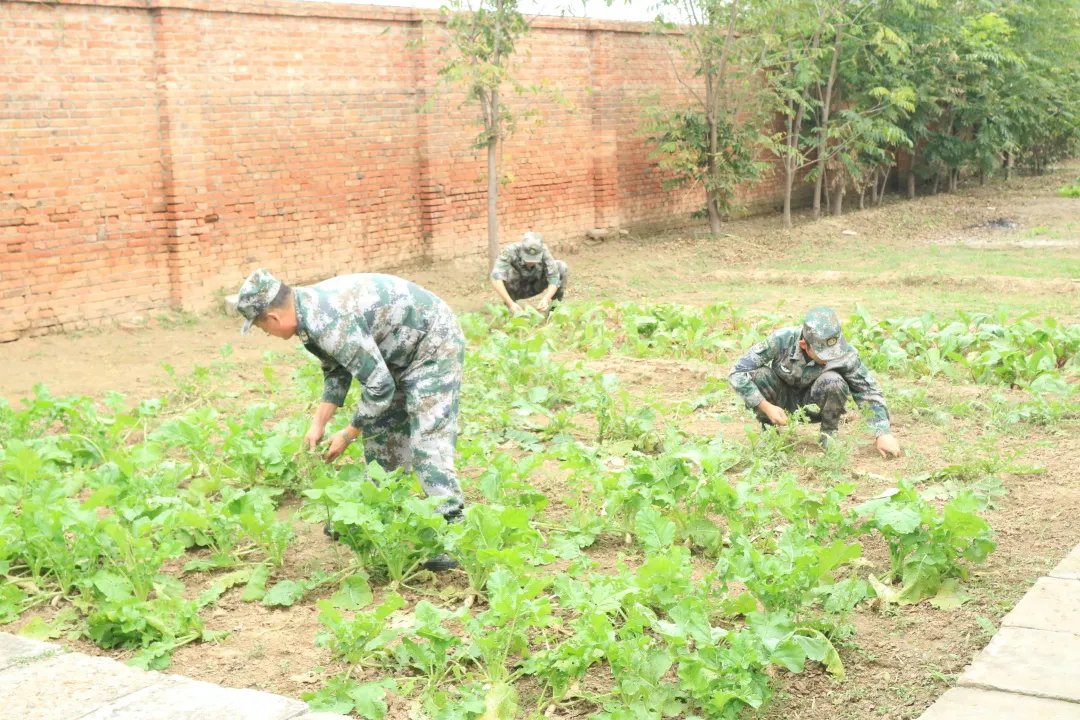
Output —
<point x="829" y="392"/>
<point x="519" y="287"/>
<point x="418" y="431"/>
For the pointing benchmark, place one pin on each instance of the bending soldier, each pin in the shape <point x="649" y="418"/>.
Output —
<point x="404" y="347"/>
<point x="527" y="268"/>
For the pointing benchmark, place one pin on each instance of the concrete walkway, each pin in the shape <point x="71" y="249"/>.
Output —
<point x="39" y="681"/>
<point x="1031" y="668"/>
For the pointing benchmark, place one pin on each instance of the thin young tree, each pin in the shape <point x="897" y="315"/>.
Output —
<point x="710" y="141"/>
<point x="483" y="39"/>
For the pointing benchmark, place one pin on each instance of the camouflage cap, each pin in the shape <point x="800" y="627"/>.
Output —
<point x="532" y="247"/>
<point x="256" y="294"/>
<point x="821" y="331"/>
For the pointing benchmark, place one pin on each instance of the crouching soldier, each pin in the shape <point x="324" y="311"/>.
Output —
<point x="527" y="268"/>
<point x="811" y="365"/>
<point x="404" y="347"/>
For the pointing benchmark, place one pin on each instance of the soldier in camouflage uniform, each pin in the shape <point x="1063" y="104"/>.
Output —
<point x="811" y="365"/>
<point x="527" y="268"/>
<point x="404" y="347"/>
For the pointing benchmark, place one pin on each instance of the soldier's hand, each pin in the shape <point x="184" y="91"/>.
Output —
<point x="516" y="309"/>
<point x="543" y="305"/>
<point x="886" y="445"/>
<point x="313" y="436"/>
<point x="338" y="442"/>
<point x="775" y="413"/>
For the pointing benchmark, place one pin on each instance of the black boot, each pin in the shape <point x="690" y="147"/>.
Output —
<point x="443" y="562"/>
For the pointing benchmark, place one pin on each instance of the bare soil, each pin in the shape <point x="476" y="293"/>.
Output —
<point x="899" y="659"/>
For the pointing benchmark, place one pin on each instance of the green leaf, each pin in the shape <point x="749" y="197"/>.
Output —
<point x="223" y="583"/>
<point x="353" y="594"/>
<point x="113" y="586"/>
<point x="369" y="699"/>
<point x="500" y="703"/>
<point x="284" y="594"/>
<point x="949" y="595"/>
<point x="653" y="530"/>
<point x="255" y="589"/>
<point x="39" y="629"/>
<point x="789" y="654"/>
<point x="900" y="518"/>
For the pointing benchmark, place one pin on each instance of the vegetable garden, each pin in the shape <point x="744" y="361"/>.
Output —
<point x="635" y="546"/>
<point x="736" y="561"/>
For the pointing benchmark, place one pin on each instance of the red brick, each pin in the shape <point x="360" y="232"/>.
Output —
<point x="297" y="126"/>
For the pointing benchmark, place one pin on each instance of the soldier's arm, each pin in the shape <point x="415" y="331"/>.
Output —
<point x="504" y="295"/>
<point x="551" y="271"/>
<point x="760" y="355"/>
<point x="501" y="269"/>
<point x="868" y="395"/>
<point x="336" y="379"/>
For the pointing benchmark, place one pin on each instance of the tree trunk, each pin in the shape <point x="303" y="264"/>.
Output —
<point x="1008" y="165"/>
<point x="714" y="213"/>
<point x="954" y="177"/>
<point x="789" y="168"/>
<point x="493" y="183"/>
<point x="823" y="134"/>
<point x="874" y="187"/>
<point x="836" y="199"/>
<point x="884" y="186"/>
<point x="789" y="179"/>
<point x="711" y="119"/>
<point x="911" y="177"/>
<point x="714" y="87"/>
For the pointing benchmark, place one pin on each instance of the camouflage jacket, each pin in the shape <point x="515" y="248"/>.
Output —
<point x="510" y="259"/>
<point x="370" y="327"/>
<point x="781" y="353"/>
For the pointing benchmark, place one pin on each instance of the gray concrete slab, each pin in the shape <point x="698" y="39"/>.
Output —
<point x="67" y="687"/>
<point x="15" y="650"/>
<point x="184" y="699"/>
<point x="975" y="704"/>
<point x="1040" y="663"/>
<point x="1069" y="568"/>
<point x="1051" y="604"/>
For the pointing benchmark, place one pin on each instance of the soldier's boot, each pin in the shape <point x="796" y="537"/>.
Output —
<point x="440" y="563"/>
<point x="443" y="562"/>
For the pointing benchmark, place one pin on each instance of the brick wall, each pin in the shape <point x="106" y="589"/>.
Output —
<point x="152" y="152"/>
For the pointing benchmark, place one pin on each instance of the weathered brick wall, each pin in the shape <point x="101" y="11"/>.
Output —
<point x="82" y="197"/>
<point x="152" y="152"/>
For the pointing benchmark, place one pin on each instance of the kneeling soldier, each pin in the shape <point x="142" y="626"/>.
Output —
<point x="812" y="365"/>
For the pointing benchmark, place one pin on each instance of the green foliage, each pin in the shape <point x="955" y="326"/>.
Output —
<point x="380" y="516"/>
<point x="721" y="565"/>
<point x="927" y="546"/>
<point x="1070" y="191"/>
<point x="980" y="347"/>
<point x="691" y="156"/>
